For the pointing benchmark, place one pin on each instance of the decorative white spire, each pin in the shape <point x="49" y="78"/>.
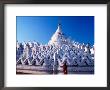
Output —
<point x="57" y="36"/>
<point x="59" y="28"/>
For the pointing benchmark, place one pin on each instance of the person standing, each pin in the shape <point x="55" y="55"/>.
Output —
<point x="65" y="68"/>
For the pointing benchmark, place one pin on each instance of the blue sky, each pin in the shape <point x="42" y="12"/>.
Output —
<point x="41" y="28"/>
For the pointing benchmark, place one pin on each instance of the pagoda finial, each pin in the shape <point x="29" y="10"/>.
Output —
<point x="59" y="24"/>
<point x="59" y="28"/>
<point x="59" y="20"/>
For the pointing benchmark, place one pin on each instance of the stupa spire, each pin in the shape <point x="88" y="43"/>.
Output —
<point x="59" y="28"/>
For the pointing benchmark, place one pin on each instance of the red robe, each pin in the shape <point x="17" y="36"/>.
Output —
<point x="65" y="68"/>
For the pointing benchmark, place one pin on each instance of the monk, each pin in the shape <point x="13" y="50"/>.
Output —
<point x="65" y="68"/>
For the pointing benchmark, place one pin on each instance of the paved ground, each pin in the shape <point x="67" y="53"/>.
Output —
<point x="38" y="70"/>
<point x="29" y="72"/>
<point x="35" y="72"/>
